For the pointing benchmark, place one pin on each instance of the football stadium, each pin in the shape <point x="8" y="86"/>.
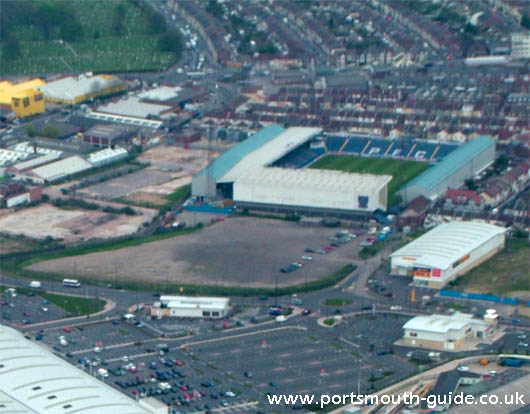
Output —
<point x="305" y="170"/>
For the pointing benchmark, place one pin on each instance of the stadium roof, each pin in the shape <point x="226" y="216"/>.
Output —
<point x="227" y="160"/>
<point x="316" y="180"/>
<point x="271" y="151"/>
<point x="451" y="163"/>
<point x="35" y="381"/>
<point x="63" y="168"/>
<point x="447" y="243"/>
<point x="441" y="323"/>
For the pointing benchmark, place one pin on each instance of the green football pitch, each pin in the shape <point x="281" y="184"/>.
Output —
<point x="401" y="171"/>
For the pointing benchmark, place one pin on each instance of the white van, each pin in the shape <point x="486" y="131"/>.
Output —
<point x="35" y="284"/>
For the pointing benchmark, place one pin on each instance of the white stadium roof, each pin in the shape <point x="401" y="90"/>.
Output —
<point x="447" y="243"/>
<point x="162" y="93"/>
<point x="316" y="180"/>
<point x="35" y="381"/>
<point x="271" y="151"/>
<point x="441" y="323"/>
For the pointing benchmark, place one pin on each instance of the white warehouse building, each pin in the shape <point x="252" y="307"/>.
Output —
<point x="191" y="307"/>
<point x="35" y="381"/>
<point x="448" y="332"/>
<point x="447" y="251"/>
<point x="312" y="188"/>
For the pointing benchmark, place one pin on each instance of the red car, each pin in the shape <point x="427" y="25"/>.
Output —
<point x="179" y="363"/>
<point x="67" y="329"/>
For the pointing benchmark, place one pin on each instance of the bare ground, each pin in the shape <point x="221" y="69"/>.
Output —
<point x="237" y="251"/>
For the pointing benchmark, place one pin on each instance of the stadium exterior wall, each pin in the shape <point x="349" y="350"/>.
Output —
<point x="291" y="196"/>
<point x="472" y="259"/>
<point x="466" y="171"/>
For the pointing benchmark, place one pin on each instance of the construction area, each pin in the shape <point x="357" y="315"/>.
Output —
<point x="70" y="225"/>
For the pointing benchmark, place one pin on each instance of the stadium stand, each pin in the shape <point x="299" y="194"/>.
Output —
<point x="299" y="158"/>
<point x="355" y="145"/>
<point x="423" y="151"/>
<point x="334" y="144"/>
<point x="445" y="149"/>
<point x="377" y="147"/>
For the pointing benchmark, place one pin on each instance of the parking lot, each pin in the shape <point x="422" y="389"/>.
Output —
<point x="23" y="309"/>
<point x="284" y="361"/>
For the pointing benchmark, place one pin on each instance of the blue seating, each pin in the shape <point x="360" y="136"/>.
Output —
<point x="299" y="158"/>
<point x="334" y="144"/>
<point x="355" y="145"/>
<point x="423" y="151"/>
<point x="445" y="149"/>
<point x="377" y="147"/>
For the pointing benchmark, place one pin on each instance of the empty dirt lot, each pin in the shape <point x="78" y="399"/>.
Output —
<point x="70" y="225"/>
<point x="239" y="251"/>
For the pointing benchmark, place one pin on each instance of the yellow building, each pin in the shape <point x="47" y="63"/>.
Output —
<point x="23" y="98"/>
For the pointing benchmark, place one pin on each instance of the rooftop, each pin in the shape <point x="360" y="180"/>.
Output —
<point x="71" y="87"/>
<point x="133" y="106"/>
<point x="271" y="151"/>
<point x="317" y="180"/>
<point x="442" y="323"/>
<point x="107" y="131"/>
<point x="62" y="168"/>
<point x="8" y="89"/>
<point x="451" y="163"/>
<point x="447" y="243"/>
<point x="35" y="381"/>
<point x="227" y="160"/>
<point x="186" y="302"/>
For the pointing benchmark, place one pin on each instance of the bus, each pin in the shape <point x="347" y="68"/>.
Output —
<point x="71" y="283"/>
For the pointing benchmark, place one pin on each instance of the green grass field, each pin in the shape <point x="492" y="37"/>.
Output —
<point x="401" y="171"/>
<point x="100" y="49"/>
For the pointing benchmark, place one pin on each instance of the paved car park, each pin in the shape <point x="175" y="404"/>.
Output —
<point x="283" y="361"/>
<point x="23" y="309"/>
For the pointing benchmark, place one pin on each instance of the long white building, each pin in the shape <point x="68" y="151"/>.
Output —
<point x="35" y="381"/>
<point x="447" y="251"/>
<point x="448" y="332"/>
<point x="312" y="188"/>
<point x="191" y="307"/>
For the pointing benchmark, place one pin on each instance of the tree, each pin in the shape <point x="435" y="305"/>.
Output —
<point x="51" y="131"/>
<point x="11" y="49"/>
<point x="170" y="42"/>
<point x="71" y="30"/>
<point x="31" y="131"/>
<point x="525" y="21"/>
<point x="470" y="184"/>
<point x="118" y="19"/>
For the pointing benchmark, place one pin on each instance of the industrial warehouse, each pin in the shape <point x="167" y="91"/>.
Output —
<point x="447" y="251"/>
<point x="47" y="384"/>
<point x="191" y="307"/>
<point x="245" y="174"/>
<point x="449" y="332"/>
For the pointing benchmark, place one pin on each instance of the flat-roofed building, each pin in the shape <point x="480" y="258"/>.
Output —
<point x="75" y="89"/>
<point x="22" y="98"/>
<point x="447" y="251"/>
<point x="308" y="189"/>
<point x="447" y="332"/>
<point x="35" y="381"/>
<point x="55" y="171"/>
<point x="107" y="135"/>
<point x="191" y="307"/>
